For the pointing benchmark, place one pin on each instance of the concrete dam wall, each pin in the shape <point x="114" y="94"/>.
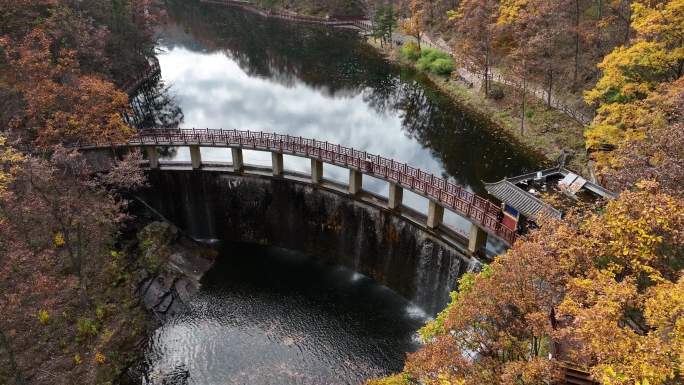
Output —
<point x="317" y="221"/>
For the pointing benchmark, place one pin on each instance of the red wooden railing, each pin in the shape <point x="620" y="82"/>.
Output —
<point x="452" y="196"/>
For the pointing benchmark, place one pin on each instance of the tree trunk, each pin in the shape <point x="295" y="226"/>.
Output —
<point x="599" y="40"/>
<point x="522" y="110"/>
<point x="577" y="44"/>
<point x="629" y="23"/>
<point x="486" y="71"/>
<point x="548" y="93"/>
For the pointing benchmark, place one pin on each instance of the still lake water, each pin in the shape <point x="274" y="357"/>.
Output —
<point x="267" y="316"/>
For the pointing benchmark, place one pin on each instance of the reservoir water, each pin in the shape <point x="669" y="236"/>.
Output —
<point x="270" y="316"/>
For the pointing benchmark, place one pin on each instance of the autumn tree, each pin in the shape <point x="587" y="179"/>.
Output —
<point x="476" y="24"/>
<point x="631" y="73"/>
<point x="59" y="61"/>
<point x="602" y="289"/>
<point x="60" y="203"/>
<point x="636" y="255"/>
<point x="10" y="165"/>
<point x="499" y="327"/>
<point x="60" y="104"/>
<point x="413" y="25"/>
<point x="535" y="36"/>
<point x="655" y="147"/>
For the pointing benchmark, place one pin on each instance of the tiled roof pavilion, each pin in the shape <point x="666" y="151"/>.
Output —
<point x="526" y="203"/>
<point x="529" y="205"/>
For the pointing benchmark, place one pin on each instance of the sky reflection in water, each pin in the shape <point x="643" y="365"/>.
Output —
<point x="228" y="69"/>
<point x="215" y="92"/>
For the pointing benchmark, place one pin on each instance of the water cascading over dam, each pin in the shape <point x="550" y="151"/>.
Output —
<point x="316" y="221"/>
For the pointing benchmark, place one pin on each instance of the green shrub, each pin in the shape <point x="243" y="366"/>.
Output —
<point x="496" y="92"/>
<point x="86" y="327"/>
<point x="410" y="51"/>
<point x="423" y="64"/>
<point x="100" y="311"/>
<point x="398" y="379"/>
<point x="442" y="66"/>
<point x="435" y="61"/>
<point x="433" y="54"/>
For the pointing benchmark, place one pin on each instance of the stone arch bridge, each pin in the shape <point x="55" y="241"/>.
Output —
<point x="441" y="194"/>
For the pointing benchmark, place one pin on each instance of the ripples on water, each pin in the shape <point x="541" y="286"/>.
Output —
<point x="269" y="316"/>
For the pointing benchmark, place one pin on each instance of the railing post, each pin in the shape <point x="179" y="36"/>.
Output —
<point x="355" y="181"/>
<point x="195" y="157"/>
<point x="396" y="195"/>
<point x="435" y="215"/>
<point x="152" y="156"/>
<point x="477" y="238"/>
<point x="277" y="163"/>
<point x="238" y="163"/>
<point x="316" y="171"/>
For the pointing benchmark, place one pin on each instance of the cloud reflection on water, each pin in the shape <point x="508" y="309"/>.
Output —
<point x="215" y="92"/>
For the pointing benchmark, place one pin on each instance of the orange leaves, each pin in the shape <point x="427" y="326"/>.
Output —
<point x="499" y="327"/>
<point x="89" y="110"/>
<point x="413" y="26"/>
<point x="61" y="104"/>
<point x="535" y="371"/>
<point x="602" y="289"/>
<point x="440" y="359"/>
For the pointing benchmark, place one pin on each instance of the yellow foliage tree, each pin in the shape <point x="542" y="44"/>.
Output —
<point x="603" y="289"/>
<point x="413" y="25"/>
<point x="654" y="145"/>
<point x="617" y="323"/>
<point x="10" y="163"/>
<point x="630" y="74"/>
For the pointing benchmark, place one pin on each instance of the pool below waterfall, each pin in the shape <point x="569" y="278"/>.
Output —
<point x="271" y="316"/>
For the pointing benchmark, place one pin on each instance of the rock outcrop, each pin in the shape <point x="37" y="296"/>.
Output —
<point x="175" y="264"/>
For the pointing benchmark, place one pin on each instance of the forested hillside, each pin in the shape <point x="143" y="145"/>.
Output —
<point x="65" y="295"/>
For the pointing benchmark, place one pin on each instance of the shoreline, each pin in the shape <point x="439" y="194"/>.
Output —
<point x="547" y="131"/>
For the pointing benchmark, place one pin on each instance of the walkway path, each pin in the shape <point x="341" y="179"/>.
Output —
<point x="496" y="75"/>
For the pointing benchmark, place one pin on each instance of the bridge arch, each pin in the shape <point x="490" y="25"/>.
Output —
<point x="441" y="194"/>
<point x="412" y="253"/>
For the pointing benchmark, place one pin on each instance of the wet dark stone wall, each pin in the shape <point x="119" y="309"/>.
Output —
<point x="319" y="222"/>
